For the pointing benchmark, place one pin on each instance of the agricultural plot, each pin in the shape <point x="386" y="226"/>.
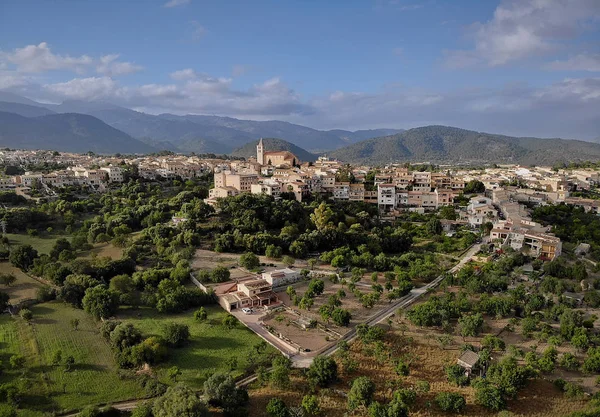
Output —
<point x="93" y="379"/>
<point x="24" y="288"/>
<point x="210" y="349"/>
<point x="43" y="244"/>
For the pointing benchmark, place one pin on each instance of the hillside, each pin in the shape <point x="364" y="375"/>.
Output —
<point x="357" y="136"/>
<point x="274" y="144"/>
<point x="69" y="132"/>
<point x="25" y="110"/>
<point x="449" y="144"/>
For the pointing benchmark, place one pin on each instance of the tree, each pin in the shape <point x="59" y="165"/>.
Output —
<point x="434" y="226"/>
<point x="361" y="393"/>
<point x="341" y="317"/>
<point x="74" y="324"/>
<point x="220" y="389"/>
<point x="7" y="279"/>
<point x="200" y="314"/>
<point x="249" y="261"/>
<point x="230" y="321"/>
<point x="288" y="260"/>
<point x="448" y="213"/>
<point x="26" y="314"/>
<point x="277" y="408"/>
<point x="474" y="187"/>
<point x="310" y="405"/>
<point x="22" y="257"/>
<point x="316" y="286"/>
<point x="100" y="302"/>
<point x="489" y="396"/>
<point x="322" y="217"/>
<point x="456" y="375"/>
<point x="323" y="371"/>
<point x="470" y="325"/>
<point x="280" y="375"/>
<point x="176" y="334"/>
<point x="179" y="401"/>
<point x="220" y="274"/>
<point x="122" y="284"/>
<point x="124" y="336"/>
<point x="273" y="251"/>
<point x="402" y="368"/>
<point x="450" y="402"/>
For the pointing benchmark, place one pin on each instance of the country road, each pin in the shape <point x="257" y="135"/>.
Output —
<point x="304" y="361"/>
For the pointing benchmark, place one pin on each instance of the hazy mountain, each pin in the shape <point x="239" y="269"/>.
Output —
<point x="69" y="132"/>
<point x="24" y="109"/>
<point x="449" y="144"/>
<point x="201" y="133"/>
<point x="305" y="137"/>
<point x="274" y="144"/>
<point x="353" y="137"/>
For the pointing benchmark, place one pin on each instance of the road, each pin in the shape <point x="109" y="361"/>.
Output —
<point x="304" y="360"/>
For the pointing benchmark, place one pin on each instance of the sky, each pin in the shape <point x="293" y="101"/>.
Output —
<point x="517" y="67"/>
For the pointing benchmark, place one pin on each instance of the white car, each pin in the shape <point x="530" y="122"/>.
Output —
<point x="247" y="311"/>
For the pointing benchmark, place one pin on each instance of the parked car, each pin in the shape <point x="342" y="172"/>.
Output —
<point x="247" y="311"/>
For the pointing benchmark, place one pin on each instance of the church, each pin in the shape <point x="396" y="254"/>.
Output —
<point x="275" y="158"/>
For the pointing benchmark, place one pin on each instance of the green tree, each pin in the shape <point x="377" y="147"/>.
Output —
<point x="179" y="401"/>
<point x="249" y="261"/>
<point x="450" y="402"/>
<point x="277" y="408"/>
<point x="200" y="314"/>
<point x="341" y="317"/>
<point x="230" y="321"/>
<point x="26" y="314"/>
<point x="100" y="302"/>
<point x="23" y="256"/>
<point x="310" y="405"/>
<point x="361" y="393"/>
<point x="176" y="334"/>
<point x="322" y="217"/>
<point x="288" y="261"/>
<point x="323" y="371"/>
<point x="474" y="187"/>
<point x="220" y="274"/>
<point x="470" y="325"/>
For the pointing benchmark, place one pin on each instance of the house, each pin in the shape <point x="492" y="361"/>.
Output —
<point x="469" y="361"/>
<point x="573" y="297"/>
<point x="582" y="249"/>
<point x="281" y="277"/>
<point x="248" y="294"/>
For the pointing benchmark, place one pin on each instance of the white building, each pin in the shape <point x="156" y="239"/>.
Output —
<point x="281" y="277"/>
<point x="115" y="174"/>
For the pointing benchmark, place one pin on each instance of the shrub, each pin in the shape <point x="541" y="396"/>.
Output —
<point x="450" y="401"/>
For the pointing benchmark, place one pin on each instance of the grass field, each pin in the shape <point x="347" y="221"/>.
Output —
<point x="24" y="288"/>
<point x="210" y="347"/>
<point x="92" y="380"/>
<point x="43" y="244"/>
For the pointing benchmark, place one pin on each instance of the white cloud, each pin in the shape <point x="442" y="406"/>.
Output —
<point x="109" y="66"/>
<point x="175" y="3"/>
<point x="184" y="74"/>
<point x="521" y="29"/>
<point x="580" y="62"/>
<point x="39" y="58"/>
<point x="92" y="88"/>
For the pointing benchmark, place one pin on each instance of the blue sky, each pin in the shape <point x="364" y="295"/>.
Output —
<point x="524" y="67"/>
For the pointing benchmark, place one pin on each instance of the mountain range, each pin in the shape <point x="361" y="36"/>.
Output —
<point x="449" y="144"/>
<point x="188" y="133"/>
<point x="102" y="127"/>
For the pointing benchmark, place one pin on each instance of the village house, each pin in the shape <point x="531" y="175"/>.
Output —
<point x="248" y="294"/>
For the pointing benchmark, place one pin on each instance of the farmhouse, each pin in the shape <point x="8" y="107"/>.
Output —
<point x="281" y="277"/>
<point x="469" y="361"/>
<point x="248" y="294"/>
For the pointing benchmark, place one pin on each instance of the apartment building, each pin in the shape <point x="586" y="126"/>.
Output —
<point x="525" y="236"/>
<point x="115" y="174"/>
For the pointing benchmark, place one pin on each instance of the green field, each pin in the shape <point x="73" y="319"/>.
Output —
<point x="209" y="349"/>
<point x="92" y="380"/>
<point x="43" y="244"/>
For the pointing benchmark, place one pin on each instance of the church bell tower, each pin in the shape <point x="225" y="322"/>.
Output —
<point x="260" y="152"/>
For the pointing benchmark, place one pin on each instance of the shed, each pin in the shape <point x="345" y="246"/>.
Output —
<point x="468" y="361"/>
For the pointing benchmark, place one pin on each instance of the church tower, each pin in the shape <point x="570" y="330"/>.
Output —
<point x="260" y="152"/>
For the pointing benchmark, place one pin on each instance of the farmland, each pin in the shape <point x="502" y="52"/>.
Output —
<point x="24" y="287"/>
<point x="92" y="380"/>
<point x="42" y="243"/>
<point x="210" y="348"/>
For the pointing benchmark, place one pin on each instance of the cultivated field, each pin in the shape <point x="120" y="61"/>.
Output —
<point x="93" y="379"/>
<point x="42" y="244"/>
<point x="210" y="347"/>
<point x="539" y="399"/>
<point x="24" y="287"/>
